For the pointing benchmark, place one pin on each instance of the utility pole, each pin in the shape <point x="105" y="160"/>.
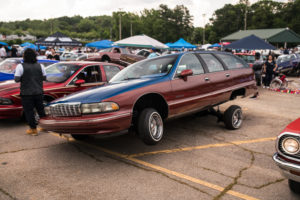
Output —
<point x="246" y="13"/>
<point x="120" y="24"/>
<point x="203" y="15"/>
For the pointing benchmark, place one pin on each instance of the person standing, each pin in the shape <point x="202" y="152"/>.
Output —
<point x="2" y="52"/>
<point x="152" y="53"/>
<point x="14" y="52"/>
<point x="31" y="76"/>
<point x="269" y="69"/>
<point x="257" y="67"/>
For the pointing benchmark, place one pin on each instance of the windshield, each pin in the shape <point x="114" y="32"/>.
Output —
<point x="161" y="65"/>
<point x="60" y="72"/>
<point x="9" y="66"/>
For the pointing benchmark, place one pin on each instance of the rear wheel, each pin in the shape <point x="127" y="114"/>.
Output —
<point x="79" y="136"/>
<point x="294" y="186"/>
<point x="275" y="84"/>
<point x="150" y="126"/>
<point x="233" y="117"/>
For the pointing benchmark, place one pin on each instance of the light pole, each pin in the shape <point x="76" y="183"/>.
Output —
<point x="120" y="24"/>
<point x="203" y="15"/>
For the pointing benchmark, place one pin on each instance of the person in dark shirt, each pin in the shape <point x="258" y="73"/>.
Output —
<point x="14" y="52"/>
<point x="31" y="76"/>
<point x="257" y="68"/>
<point x="270" y="67"/>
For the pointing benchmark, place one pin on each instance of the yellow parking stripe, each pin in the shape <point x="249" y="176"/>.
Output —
<point x="203" y="147"/>
<point x="167" y="171"/>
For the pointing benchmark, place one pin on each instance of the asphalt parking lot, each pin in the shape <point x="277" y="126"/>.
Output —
<point x="197" y="159"/>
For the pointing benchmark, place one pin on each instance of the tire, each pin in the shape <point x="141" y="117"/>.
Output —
<point x="275" y="84"/>
<point x="233" y="117"/>
<point x="150" y="126"/>
<point x="294" y="186"/>
<point x="79" y="136"/>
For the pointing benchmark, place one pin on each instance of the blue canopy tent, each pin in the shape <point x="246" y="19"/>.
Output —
<point x="3" y="43"/>
<point x="181" y="43"/>
<point x="214" y="45"/>
<point x="168" y="44"/>
<point x="26" y="44"/>
<point x="250" y="43"/>
<point x="32" y="46"/>
<point x="102" y="44"/>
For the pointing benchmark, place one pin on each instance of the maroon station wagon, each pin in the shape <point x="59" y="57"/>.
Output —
<point x="146" y="93"/>
<point x="62" y="79"/>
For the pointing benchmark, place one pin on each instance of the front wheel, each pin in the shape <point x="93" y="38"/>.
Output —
<point x="150" y="126"/>
<point x="233" y="117"/>
<point x="294" y="186"/>
<point x="275" y="84"/>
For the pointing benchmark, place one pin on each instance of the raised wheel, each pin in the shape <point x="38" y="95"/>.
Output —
<point x="294" y="186"/>
<point x="233" y="117"/>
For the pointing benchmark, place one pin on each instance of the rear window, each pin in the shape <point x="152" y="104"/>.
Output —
<point x="232" y="62"/>
<point x="212" y="63"/>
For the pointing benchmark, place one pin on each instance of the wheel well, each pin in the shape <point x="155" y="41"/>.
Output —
<point x="239" y="92"/>
<point x="152" y="100"/>
<point x="105" y="57"/>
<point x="48" y="98"/>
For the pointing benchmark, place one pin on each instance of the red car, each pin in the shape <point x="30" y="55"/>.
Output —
<point x="117" y="55"/>
<point x="288" y="154"/>
<point x="62" y="79"/>
<point x="146" y="93"/>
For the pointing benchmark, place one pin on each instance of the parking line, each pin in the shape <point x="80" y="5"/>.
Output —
<point x="163" y="170"/>
<point x="203" y="147"/>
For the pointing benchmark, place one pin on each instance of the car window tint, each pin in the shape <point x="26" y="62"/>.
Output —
<point x="212" y="63"/>
<point x="190" y="61"/>
<point x="110" y="71"/>
<point x="232" y="62"/>
<point x="90" y="74"/>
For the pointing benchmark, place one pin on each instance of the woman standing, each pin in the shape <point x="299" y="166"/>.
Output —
<point x="270" y="67"/>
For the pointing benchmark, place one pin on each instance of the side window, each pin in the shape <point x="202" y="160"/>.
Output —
<point x="212" y="63"/>
<point x="90" y="74"/>
<point x="190" y="61"/>
<point x="232" y="62"/>
<point x="110" y="71"/>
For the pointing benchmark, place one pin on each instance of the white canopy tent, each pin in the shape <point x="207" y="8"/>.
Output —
<point x="141" y="41"/>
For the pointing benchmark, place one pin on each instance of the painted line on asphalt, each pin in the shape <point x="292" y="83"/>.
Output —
<point x="161" y="169"/>
<point x="203" y="147"/>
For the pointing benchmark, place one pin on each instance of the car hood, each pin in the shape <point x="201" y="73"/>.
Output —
<point x="100" y="93"/>
<point x="293" y="127"/>
<point x="11" y="87"/>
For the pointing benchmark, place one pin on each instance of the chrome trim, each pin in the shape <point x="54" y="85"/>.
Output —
<point x="11" y="108"/>
<point x="277" y="148"/>
<point x="85" y="120"/>
<point x="285" y="164"/>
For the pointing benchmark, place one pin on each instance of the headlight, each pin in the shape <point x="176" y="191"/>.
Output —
<point x="99" y="107"/>
<point x="291" y="145"/>
<point x="4" y="101"/>
<point x="47" y="110"/>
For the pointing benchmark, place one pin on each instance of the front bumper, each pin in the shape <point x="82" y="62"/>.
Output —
<point x="10" y="112"/>
<point x="288" y="169"/>
<point x="89" y="124"/>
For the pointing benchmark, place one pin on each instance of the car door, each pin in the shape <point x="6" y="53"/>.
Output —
<point x="189" y="94"/>
<point x="91" y="75"/>
<point x="218" y="77"/>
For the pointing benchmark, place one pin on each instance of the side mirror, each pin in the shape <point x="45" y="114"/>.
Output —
<point x="79" y="82"/>
<point x="185" y="73"/>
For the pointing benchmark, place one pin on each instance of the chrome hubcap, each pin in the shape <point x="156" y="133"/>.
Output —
<point x="237" y="118"/>
<point x="155" y="126"/>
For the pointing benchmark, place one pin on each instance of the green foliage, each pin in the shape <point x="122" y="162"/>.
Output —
<point x="165" y="24"/>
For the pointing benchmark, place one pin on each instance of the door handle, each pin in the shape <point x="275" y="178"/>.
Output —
<point x="227" y="75"/>
<point x="206" y="79"/>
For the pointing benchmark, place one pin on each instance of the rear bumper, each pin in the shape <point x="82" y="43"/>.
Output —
<point x="288" y="169"/>
<point x="10" y="112"/>
<point x="90" y="124"/>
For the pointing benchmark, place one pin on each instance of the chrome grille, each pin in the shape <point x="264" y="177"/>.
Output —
<point x="65" y="109"/>
<point x="281" y="148"/>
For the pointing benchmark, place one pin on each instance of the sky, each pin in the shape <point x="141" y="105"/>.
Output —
<point x="12" y="10"/>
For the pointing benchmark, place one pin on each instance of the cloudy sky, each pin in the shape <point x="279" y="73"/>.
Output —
<point x="12" y="10"/>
